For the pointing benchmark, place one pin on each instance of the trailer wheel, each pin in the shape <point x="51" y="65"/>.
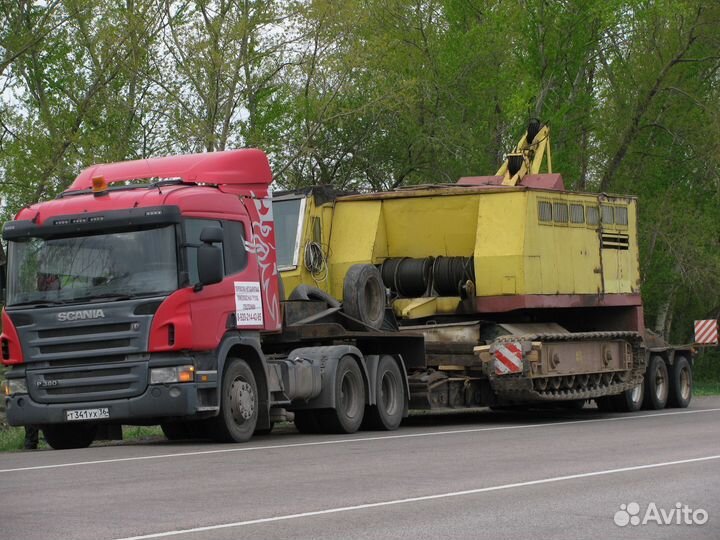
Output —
<point x="67" y="436"/>
<point x="347" y="416"/>
<point x="364" y="296"/>
<point x="680" y="383"/>
<point x="307" y="421"/>
<point x="657" y="384"/>
<point x="606" y="403"/>
<point x="389" y="406"/>
<point x="238" y="404"/>
<point x="630" y="400"/>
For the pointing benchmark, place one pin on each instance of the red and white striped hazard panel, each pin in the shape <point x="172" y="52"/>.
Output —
<point x="706" y="332"/>
<point x="508" y="358"/>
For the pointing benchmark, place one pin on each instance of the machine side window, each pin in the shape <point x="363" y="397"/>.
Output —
<point x="607" y="214"/>
<point x="288" y="215"/>
<point x="193" y="228"/>
<point x="593" y="215"/>
<point x="621" y="215"/>
<point x="234" y="247"/>
<point x="544" y="211"/>
<point x="577" y="213"/>
<point x="560" y="212"/>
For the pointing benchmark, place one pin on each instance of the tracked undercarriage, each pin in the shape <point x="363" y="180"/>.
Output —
<point x="546" y="375"/>
<point x="526" y="367"/>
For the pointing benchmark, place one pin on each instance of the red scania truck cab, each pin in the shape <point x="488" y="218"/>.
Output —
<point x="124" y="300"/>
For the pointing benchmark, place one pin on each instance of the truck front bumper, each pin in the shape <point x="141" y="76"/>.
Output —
<point x="158" y="401"/>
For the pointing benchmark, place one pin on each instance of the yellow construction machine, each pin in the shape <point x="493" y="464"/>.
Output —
<point x="525" y="292"/>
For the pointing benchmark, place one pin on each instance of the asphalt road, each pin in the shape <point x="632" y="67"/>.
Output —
<point x="487" y="475"/>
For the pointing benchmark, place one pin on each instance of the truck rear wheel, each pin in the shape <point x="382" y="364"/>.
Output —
<point x="66" y="436"/>
<point x="389" y="406"/>
<point x="347" y="416"/>
<point x="238" y="404"/>
<point x="657" y="384"/>
<point x="680" y="383"/>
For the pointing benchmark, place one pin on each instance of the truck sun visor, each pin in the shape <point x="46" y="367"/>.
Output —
<point x="88" y="222"/>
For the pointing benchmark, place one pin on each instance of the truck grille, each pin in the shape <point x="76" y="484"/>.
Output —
<point x="87" y="346"/>
<point x="58" y="345"/>
<point x="84" y="330"/>
<point x="89" y="383"/>
<point x="89" y="359"/>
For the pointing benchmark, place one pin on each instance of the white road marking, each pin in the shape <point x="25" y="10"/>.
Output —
<point x="417" y="499"/>
<point x="353" y="440"/>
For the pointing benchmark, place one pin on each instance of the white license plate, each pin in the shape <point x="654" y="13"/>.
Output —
<point x="87" y="414"/>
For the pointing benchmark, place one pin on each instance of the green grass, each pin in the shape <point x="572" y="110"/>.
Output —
<point x="12" y="438"/>
<point x="706" y="388"/>
<point x="707" y="373"/>
<point x="141" y="433"/>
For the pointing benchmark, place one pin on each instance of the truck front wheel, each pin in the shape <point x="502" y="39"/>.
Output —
<point x="66" y="436"/>
<point x="238" y="404"/>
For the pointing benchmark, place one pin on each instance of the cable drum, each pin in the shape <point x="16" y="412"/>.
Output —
<point x="407" y="277"/>
<point x="449" y="274"/>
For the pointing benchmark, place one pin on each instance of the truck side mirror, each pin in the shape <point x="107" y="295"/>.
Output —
<point x="209" y="256"/>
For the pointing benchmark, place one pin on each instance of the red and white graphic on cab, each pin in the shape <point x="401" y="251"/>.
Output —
<point x="248" y="303"/>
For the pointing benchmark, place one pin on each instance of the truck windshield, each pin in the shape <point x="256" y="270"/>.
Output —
<point x="286" y="214"/>
<point x="82" y="268"/>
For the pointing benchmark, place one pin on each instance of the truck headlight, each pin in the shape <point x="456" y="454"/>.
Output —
<point x="14" y="386"/>
<point x="174" y="374"/>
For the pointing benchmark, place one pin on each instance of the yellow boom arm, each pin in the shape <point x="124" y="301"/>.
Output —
<point x="528" y="155"/>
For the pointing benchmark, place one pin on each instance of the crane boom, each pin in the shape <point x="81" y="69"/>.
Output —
<point x="527" y="157"/>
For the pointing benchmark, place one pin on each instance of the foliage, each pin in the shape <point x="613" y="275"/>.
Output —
<point x="370" y="94"/>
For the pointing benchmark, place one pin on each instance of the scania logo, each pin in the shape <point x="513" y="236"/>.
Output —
<point x="81" y="315"/>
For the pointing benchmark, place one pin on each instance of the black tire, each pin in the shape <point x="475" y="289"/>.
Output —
<point x="347" y="416"/>
<point x="387" y="413"/>
<point x="630" y="400"/>
<point x="265" y="431"/>
<point x="238" y="404"/>
<point x="66" y="436"/>
<point x="306" y="292"/>
<point x="178" y="431"/>
<point x="307" y="421"/>
<point x="364" y="296"/>
<point x="606" y="403"/>
<point x="681" y="383"/>
<point x="657" y="384"/>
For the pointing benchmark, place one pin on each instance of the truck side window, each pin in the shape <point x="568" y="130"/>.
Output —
<point x="234" y="247"/>
<point x="193" y="228"/>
